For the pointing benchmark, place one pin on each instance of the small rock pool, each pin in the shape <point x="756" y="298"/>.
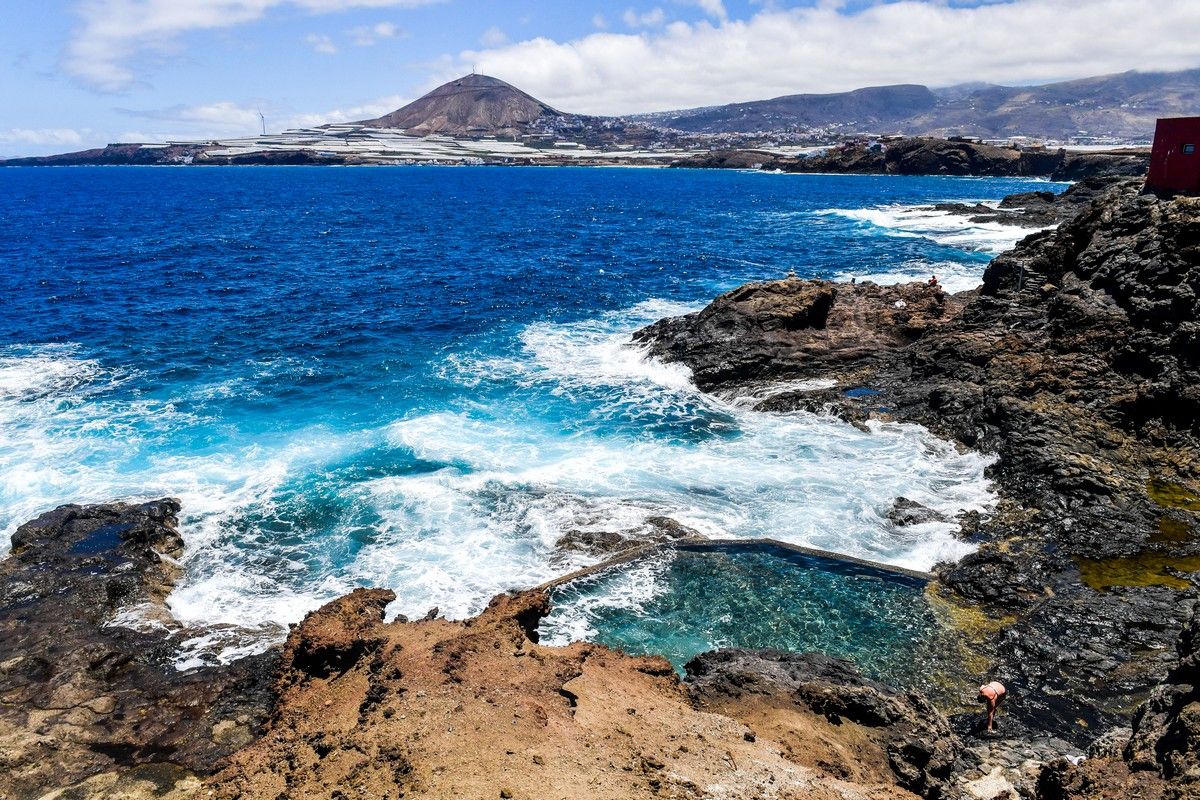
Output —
<point x="683" y="600"/>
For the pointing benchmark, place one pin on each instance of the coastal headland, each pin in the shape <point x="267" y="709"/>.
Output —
<point x="1076" y="364"/>
<point x="907" y="130"/>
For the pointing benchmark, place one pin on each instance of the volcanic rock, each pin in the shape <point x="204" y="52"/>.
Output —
<point x="90" y="700"/>
<point x="655" y="530"/>
<point x="1161" y="757"/>
<point x="779" y="694"/>
<point x="925" y="155"/>
<point x="1077" y="364"/>
<point x="796" y="328"/>
<point x="905" y="512"/>
<point x="436" y="708"/>
<point x="472" y="106"/>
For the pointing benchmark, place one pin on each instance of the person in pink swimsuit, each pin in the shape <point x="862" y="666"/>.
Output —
<point x="992" y="694"/>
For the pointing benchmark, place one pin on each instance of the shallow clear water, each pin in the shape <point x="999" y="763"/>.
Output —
<point x="419" y="378"/>
<point x="680" y="603"/>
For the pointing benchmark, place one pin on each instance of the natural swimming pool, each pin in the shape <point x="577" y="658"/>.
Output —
<point x="681" y="601"/>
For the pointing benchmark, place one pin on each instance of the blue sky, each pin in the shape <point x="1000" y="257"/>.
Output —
<point x="79" y="73"/>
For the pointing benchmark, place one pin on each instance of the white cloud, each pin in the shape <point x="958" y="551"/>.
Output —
<point x="367" y="35"/>
<point x="647" y="19"/>
<point x="714" y="8"/>
<point x="321" y="44"/>
<point x="599" y="21"/>
<point x="41" y="136"/>
<point x="112" y="33"/>
<point x="224" y="115"/>
<point x="227" y="119"/>
<point x="493" y="37"/>
<point x="370" y="110"/>
<point x="826" y="48"/>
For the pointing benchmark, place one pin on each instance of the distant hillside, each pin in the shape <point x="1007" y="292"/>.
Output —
<point x="876" y="108"/>
<point x="1122" y="106"/>
<point x="472" y="106"/>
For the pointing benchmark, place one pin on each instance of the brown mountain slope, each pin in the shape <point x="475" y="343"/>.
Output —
<point x="474" y="105"/>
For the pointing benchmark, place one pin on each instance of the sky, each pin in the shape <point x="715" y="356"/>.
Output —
<point x="82" y="73"/>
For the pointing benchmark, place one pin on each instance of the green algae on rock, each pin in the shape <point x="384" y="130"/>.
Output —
<point x="1149" y="568"/>
<point x="1172" y="495"/>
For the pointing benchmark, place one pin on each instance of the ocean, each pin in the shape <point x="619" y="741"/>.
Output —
<point x="420" y="378"/>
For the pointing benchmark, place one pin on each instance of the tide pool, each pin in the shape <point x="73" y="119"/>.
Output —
<point x="681" y="601"/>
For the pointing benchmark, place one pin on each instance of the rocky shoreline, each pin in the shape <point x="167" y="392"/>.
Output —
<point x="1077" y="363"/>
<point x="91" y="704"/>
<point x="931" y="156"/>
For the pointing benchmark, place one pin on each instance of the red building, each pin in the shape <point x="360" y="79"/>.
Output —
<point x="1175" y="162"/>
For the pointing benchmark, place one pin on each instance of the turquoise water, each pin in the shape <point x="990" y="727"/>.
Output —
<point x="420" y="378"/>
<point x="684" y="602"/>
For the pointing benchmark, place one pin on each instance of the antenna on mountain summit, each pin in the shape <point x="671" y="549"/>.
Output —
<point x="263" y="120"/>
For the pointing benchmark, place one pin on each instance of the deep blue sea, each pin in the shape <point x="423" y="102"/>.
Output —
<point x="419" y="377"/>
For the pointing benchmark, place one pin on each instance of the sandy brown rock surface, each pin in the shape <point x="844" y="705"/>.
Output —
<point x="478" y="709"/>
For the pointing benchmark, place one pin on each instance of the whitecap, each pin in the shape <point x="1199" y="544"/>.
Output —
<point x="939" y="226"/>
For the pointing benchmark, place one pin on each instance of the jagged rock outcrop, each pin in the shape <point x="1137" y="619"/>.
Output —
<point x="435" y="708"/>
<point x="88" y="704"/>
<point x="779" y="694"/>
<point x="353" y="707"/>
<point x="798" y="329"/>
<point x="655" y="530"/>
<point x="1036" y="208"/>
<point x="1160" y="759"/>
<point x="933" y="156"/>
<point x="1078" y="364"/>
<point x="1166" y="728"/>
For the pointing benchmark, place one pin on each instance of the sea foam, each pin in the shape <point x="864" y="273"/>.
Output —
<point x="586" y="434"/>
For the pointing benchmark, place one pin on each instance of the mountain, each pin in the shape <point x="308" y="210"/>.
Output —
<point x="1122" y="106"/>
<point x="472" y="106"/>
<point x="876" y="107"/>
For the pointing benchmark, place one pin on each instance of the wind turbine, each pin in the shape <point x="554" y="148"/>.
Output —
<point x="263" y="120"/>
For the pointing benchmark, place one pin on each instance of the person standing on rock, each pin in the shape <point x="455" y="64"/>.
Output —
<point x="992" y="694"/>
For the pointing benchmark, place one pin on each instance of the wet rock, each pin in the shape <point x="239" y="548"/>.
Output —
<point x="1077" y="364"/>
<point x="905" y="512"/>
<point x="920" y="745"/>
<point x="796" y="329"/>
<point x="90" y="705"/>
<point x="655" y="530"/>
<point x="1166" y="728"/>
<point x="1037" y="208"/>
<point x="1160" y="757"/>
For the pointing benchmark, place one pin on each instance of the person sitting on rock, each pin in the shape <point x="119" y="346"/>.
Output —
<point x="992" y="694"/>
<point x="933" y="281"/>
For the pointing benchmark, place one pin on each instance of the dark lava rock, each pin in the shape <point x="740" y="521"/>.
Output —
<point x="920" y="745"/>
<point x="1078" y="365"/>
<point x="656" y="530"/>
<point x="906" y="512"/>
<point x="1117" y="163"/>
<point x="80" y="693"/>
<point x="932" y="156"/>
<point x="1166" y="728"/>
<point x="796" y="328"/>
<point x="1161" y="756"/>
<point x="1036" y="209"/>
